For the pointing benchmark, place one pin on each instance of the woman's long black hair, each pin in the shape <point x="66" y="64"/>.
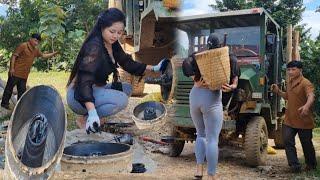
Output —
<point x="105" y="19"/>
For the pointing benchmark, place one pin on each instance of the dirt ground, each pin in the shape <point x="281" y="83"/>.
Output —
<point x="160" y="166"/>
<point x="231" y="159"/>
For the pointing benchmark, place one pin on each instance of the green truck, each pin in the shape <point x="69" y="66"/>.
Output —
<point x="254" y="114"/>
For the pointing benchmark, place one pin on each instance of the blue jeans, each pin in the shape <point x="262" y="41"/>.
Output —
<point x="207" y="116"/>
<point x="107" y="101"/>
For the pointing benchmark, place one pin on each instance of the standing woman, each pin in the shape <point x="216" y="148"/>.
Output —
<point x="206" y="113"/>
<point x="88" y="93"/>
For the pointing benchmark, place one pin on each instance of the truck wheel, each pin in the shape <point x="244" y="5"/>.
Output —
<point x="176" y="148"/>
<point x="278" y="140"/>
<point x="256" y="141"/>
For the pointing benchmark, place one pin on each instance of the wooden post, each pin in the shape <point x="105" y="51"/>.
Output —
<point x="136" y="22"/>
<point x="289" y="48"/>
<point x="111" y="4"/>
<point x="129" y="17"/>
<point x="115" y="4"/>
<point x="289" y="43"/>
<point x="296" y="39"/>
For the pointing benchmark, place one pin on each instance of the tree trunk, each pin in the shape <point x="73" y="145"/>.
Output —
<point x="296" y="39"/>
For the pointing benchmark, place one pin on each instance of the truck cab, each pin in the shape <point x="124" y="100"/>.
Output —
<point x="253" y="115"/>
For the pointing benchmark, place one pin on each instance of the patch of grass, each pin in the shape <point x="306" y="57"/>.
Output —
<point x="56" y="79"/>
<point x="313" y="174"/>
<point x="317" y="119"/>
<point x="71" y="123"/>
<point x="316" y="132"/>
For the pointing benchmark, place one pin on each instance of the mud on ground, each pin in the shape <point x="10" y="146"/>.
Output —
<point x="160" y="166"/>
<point x="231" y="159"/>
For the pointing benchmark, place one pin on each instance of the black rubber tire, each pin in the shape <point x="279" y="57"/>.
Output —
<point x="176" y="148"/>
<point x="278" y="140"/>
<point x="256" y="141"/>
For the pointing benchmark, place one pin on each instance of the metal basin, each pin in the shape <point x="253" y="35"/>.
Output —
<point x="149" y="124"/>
<point x="87" y="149"/>
<point x="94" y="156"/>
<point x="46" y="101"/>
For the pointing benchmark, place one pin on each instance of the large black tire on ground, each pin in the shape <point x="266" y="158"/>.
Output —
<point x="176" y="148"/>
<point x="256" y="141"/>
<point x="278" y="139"/>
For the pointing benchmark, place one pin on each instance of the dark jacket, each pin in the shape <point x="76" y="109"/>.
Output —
<point x="95" y="66"/>
<point x="190" y="67"/>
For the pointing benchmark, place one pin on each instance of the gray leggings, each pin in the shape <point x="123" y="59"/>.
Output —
<point x="207" y="116"/>
<point x="107" y="100"/>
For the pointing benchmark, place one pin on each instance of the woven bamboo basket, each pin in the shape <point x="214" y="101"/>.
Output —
<point x="138" y="86"/>
<point x="214" y="66"/>
<point x="171" y="4"/>
<point x="153" y="124"/>
<point x="124" y="76"/>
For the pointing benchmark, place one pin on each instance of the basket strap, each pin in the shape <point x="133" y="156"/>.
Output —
<point x="223" y="69"/>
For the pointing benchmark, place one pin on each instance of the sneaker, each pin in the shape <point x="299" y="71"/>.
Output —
<point x="295" y="169"/>
<point x="6" y="106"/>
<point x="310" y="168"/>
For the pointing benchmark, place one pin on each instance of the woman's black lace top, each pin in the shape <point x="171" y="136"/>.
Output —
<point x="95" y="66"/>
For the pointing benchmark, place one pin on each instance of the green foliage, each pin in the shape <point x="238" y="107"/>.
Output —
<point x="51" y="24"/>
<point x="288" y="12"/>
<point x="284" y="11"/>
<point x="51" y="28"/>
<point x="82" y="14"/>
<point x="310" y="53"/>
<point x="4" y="59"/>
<point x="226" y="5"/>
<point x="72" y="45"/>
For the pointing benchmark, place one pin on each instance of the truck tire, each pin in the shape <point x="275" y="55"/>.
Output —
<point x="256" y="141"/>
<point x="176" y="148"/>
<point x="278" y="140"/>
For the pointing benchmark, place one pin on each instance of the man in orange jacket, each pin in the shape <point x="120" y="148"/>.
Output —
<point x="20" y="65"/>
<point x="299" y="117"/>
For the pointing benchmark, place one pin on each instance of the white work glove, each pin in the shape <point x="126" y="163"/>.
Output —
<point x="161" y="65"/>
<point x="93" y="122"/>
